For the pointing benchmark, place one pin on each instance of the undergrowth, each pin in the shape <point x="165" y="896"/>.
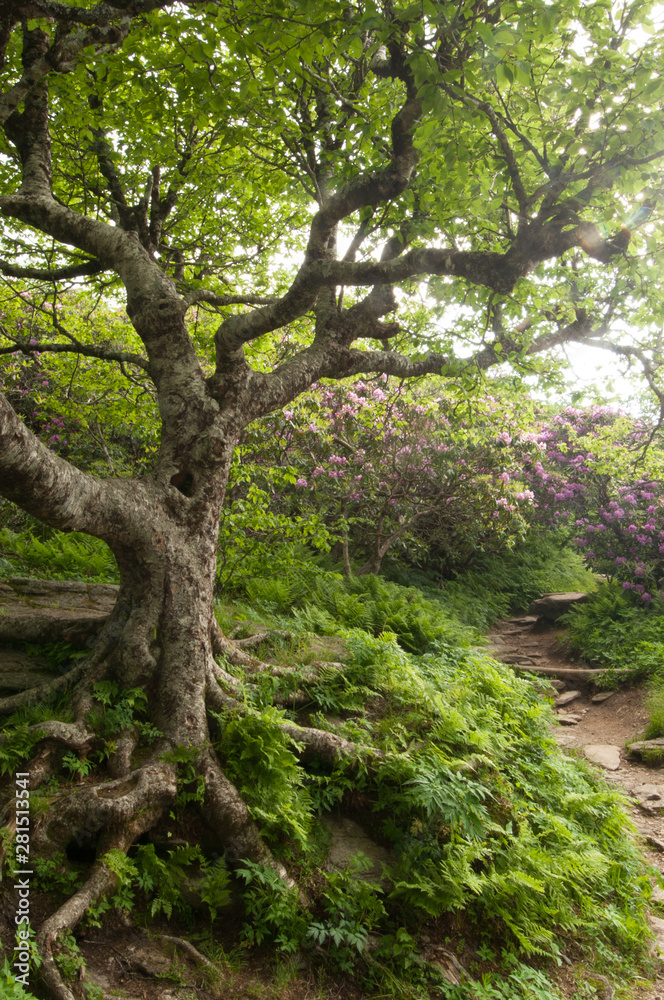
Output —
<point x="497" y="585"/>
<point x="485" y="816"/>
<point x="525" y="852"/>
<point x="321" y="601"/>
<point x="56" y="556"/>
<point x="612" y="630"/>
<point x="655" y="705"/>
<point x="454" y="611"/>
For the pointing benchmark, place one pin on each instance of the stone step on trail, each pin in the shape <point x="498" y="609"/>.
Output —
<point x="565" y="719"/>
<point x="580" y="674"/>
<point x="603" y="754"/>
<point x="512" y="659"/>
<point x="551" y="607"/>
<point x="641" y="748"/>
<point x="649" y="796"/>
<point x="567" y="697"/>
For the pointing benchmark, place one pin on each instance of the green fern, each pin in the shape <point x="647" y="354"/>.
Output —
<point x="258" y="757"/>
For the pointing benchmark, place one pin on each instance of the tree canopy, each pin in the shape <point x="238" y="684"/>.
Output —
<point x="490" y="172"/>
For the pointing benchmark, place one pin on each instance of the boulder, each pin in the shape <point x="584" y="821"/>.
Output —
<point x="53" y="610"/>
<point x="551" y="607"/>
<point x="149" y="959"/>
<point x="18" y="671"/>
<point x="350" y="839"/>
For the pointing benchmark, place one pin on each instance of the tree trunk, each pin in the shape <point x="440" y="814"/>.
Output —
<point x="162" y="622"/>
<point x="381" y="548"/>
<point x="348" y="570"/>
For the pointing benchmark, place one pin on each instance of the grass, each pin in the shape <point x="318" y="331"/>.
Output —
<point x="655" y="706"/>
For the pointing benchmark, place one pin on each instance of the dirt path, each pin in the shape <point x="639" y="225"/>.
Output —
<point x="598" y="730"/>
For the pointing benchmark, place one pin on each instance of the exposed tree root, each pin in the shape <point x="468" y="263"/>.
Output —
<point x="258" y="637"/>
<point x="226" y="813"/>
<point x="119" y="763"/>
<point x="255" y="669"/>
<point x="100" y="882"/>
<point x="311" y="742"/>
<point x="296" y="699"/>
<point x="71" y="734"/>
<point x="187" y="947"/>
<point x="111" y="813"/>
<point x="216" y="699"/>
<point x="328" y="747"/>
<point x="225" y="679"/>
<point x="92" y="668"/>
<point x="221" y="646"/>
<point x="309" y="673"/>
<point x="43" y="627"/>
<point x="110" y="805"/>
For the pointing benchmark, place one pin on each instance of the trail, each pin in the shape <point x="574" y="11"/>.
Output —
<point x="597" y="726"/>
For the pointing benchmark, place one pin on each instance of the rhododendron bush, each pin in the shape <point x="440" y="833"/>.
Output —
<point x="374" y="467"/>
<point x="601" y="481"/>
<point x="388" y="469"/>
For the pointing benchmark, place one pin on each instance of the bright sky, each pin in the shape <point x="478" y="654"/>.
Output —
<point x="600" y="373"/>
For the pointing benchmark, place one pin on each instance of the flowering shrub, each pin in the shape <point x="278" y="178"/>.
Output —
<point x="389" y="470"/>
<point x="585" y="485"/>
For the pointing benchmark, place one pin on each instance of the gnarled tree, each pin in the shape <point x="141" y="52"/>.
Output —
<point x="306" y="170"/>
